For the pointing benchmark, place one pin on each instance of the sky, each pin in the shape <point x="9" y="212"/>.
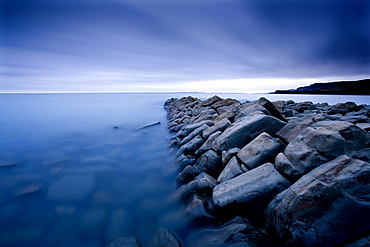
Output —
<point x="244" y="46"/>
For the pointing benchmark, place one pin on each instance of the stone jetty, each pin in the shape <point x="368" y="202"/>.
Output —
<point x="264" y="173"/>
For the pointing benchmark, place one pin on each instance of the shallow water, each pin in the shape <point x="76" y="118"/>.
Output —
<point x="75" y="172"/>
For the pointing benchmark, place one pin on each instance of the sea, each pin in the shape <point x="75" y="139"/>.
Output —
<point x="78" y="169"/>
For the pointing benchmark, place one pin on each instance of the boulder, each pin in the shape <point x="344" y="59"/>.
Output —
<point x="196" y="213"/>
<point x="210" y="163"/>
<point x="231" y="170"/>
<point x="189" y="128"/>
<point x="191" y="147"/>
<point x="292" y="129"/>
<point x="218" y="126"/>
<point x="225" y="102"/>
<point x="183" y="161"/>
<point x="343" y="108"/>
<point x="250" y="192"/>
<point x="271" y="108"/>
<point x="211" y="101"/>
<point x="283" y="165"/>
<point x="165" y="237"/>
<point x="202" y="184"/>
<point x="125" y="242"/>
<point x="194" y="133"/>
<point x="236" y="231"/>
<point x="260" y="150"/>
<point x="226" y="155"/>
<point x="187" y="175"/>
<point x="327" y="207"/>
<point x="241" y="132"/>
<point x="208" y="143"/>
<point x="247" y="108"/>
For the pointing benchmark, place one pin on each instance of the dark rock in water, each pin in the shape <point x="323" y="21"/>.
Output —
<point x="236" y="232"/>
<point x="125" y="242"/>
<point x="262" y="149"/>
<point x="327" y="207"/>
<point x="165" y="238"/>
<point x="195" y="213"/>
<point x="218" y="126"/>
<point x="187" y="175"/>
<point x="250" y="193"/>
<point x="190" y="147"/>
<point x="208" y="144"/>
<point x="203" y="184"/>
<point x="244" y="130"/>
<point x="210" y="163"/>
<point x="194" y="133"/>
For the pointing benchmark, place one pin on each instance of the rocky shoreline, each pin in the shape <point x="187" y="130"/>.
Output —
<point x="267" y="173"/>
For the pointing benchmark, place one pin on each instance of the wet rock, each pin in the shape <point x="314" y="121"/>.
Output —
<point x="321" y="207"/>
<point x="226" y="155"/>
<point x="165" y="237"/>
<point x="364" y="126"/>
<point x="224" y="103"/>
<point x="231" y="170"/>
<point x="182" y="161"/>
<point x="187" y="175"/>
<point x="260" y="150"/>
<point x="125" y="242"/>
<point x="343" y="108"/>
<point x="208" y="144"/>
<point x="244" y="130"/>
<point x="292" y="129"/>
<point x="196" y="213"/>
<point x="189" y="128"/>
<point x="203" y="184"/>
<point x="190" y="147"/>
<point x="271" y="108"/>
<point x="211" y="101"/>
<point x="236" y="231"/>
<point x="283" y="165"/>
<point x="194" y="133"/>
<point x="210" y="163"/>
<point x="218" y="126"/>
<point x="250" y="192"/>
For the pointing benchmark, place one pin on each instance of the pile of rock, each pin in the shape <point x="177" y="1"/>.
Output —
<point x="272" y="174"/>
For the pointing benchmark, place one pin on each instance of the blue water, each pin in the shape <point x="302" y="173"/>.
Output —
<point x="75" y="172"/>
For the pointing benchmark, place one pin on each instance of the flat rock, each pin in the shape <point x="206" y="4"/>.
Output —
<point x="250" y="192"/>
<point x="244" y="130"/>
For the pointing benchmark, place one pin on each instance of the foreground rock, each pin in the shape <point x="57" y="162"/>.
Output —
<point x="267" y="173"/>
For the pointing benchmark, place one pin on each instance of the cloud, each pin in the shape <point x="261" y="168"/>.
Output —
<point x="169" y="44"/>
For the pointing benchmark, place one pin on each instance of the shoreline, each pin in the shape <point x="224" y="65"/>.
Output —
<point x="239" y="164"/>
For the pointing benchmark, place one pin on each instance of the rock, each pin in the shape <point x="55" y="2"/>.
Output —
<point x="363" y="242"/>
<point x="182" y="161"/>
<point x="271" y="109"/>
<point x="194" y="133"/>
<point x="225" y="102"/>
<point x="125" y="242"/>
<point x="210" y="163"/>
<point x="187" y="175"/>
<point x="292" y="129"/>
<point x="250" y="192"/>
<point x="260" y="150"/>
<point x="218" y="126"/>
<point x="189" y="128"/>
<point x="303" y="106"/>
<point x="226" y="155"/>
<point x="343" y="108"/>
<point x="210" y="101"/>
<point x="208" y="143"/>
<point x="165" y="238"/>
<point x="231" y="170"/>
<point x="321" y="207"/>
<point x="206" y="114"/>
<point x="363" y="154"/>
<point x="191" y="146"/>
<point x="287" y="113"/>
<point x="196" y="213"/>
<point x="231" y="233"/>
<point x="251" y="107"/>
<point x="244" y="130"/>
<point x="283" y="165"/>
<point x="364" y="126"/>
<point x="202" y="184"/>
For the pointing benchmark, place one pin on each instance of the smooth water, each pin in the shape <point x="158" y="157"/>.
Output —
<point x="75" y="172"/>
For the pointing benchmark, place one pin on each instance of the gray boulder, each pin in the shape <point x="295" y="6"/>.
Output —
<point x="194" y="133"/>
<point x="202" y="184"/>
<point x="210" y="163"/>
<point x="231" y="170"/>
<point x="271" y="108"/>
<point x="218" y="126"/>
<point x="250" y="192"/>
<point x="195" y="213"/>
<point x="260" y="150"/>
<point x="191" y="147"/>
<point x="207" y="145"/>
<point x="226" y="155"/>
<point x="292" y="129"/>
<point x="189" y="128"/>
<point x="187" y="175"/>
<point x="321" y="207"/>
<point x="244" y="130"/>
<point x="283" y="165"/>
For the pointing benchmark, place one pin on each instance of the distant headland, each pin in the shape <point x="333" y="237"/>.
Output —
<point x="360" y="87"/>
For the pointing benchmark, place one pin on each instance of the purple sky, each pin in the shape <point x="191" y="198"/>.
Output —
<point x="190" y="45"/>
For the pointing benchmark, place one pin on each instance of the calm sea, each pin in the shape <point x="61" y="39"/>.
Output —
<point x="74" y="171"/>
